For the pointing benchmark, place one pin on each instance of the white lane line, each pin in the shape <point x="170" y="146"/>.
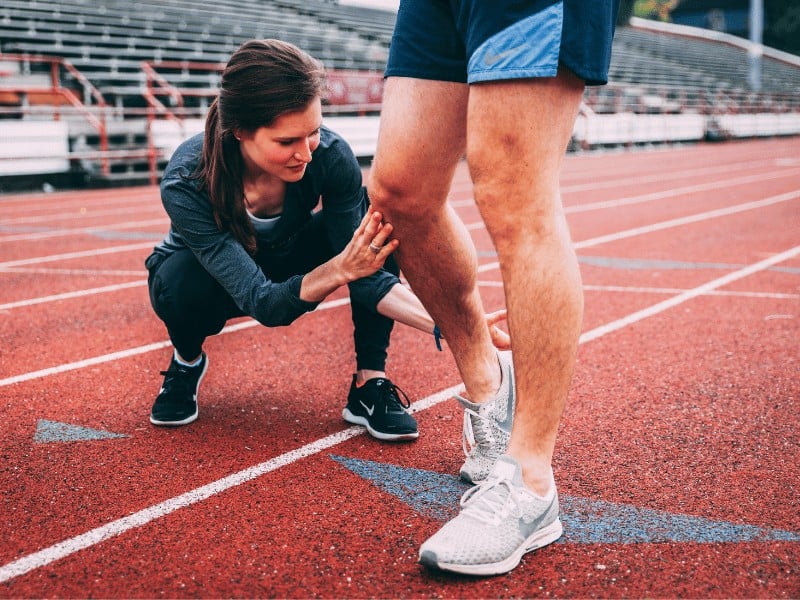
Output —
<point x="44" y="271"/>
<point x="696" y="218"/>
<point x="80" y="254"/>
<point x="98" y="360"/>
<point x="84" y="214"/>
<point x="649" y="198"/>
<point x="466" y="188"/>
<point x="670" y="177"/>
<point x="77" y="294"/>
<point x="670" y="291"/>
<point x="689" y="294"/>
<point x="689" y="189"/>
<point x="114" y="528"/>
<point x="93" y="230"/>
<point x="625" y="289"/>
<point x="99" y="534"/>
<point x="76" y="199"/>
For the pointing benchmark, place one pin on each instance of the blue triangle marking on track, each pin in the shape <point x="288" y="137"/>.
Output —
<point x="431" y="494"/>
<point x="53" y="431"/>
<point x="586" y="521"/>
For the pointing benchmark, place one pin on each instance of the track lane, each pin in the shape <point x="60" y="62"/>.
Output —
<point x="101" y="306"/>
<point x="439" y="448"/>
<point x="594" y="334"/>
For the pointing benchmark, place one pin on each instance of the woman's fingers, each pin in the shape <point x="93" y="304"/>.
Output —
<point x="363" y="227"/>
<point x="497" y="316"/>
<point x="387" y="249"/>
<point x="383" y="233"/>
<point x="369" y="248"/>
<point x="376" y="232"/>
<point x="500" y="339"/>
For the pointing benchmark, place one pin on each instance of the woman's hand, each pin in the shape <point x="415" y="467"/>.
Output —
<point x="364" y="254"/>
<point x="368" y="249"/>
<point x="500" y="339"/>
<point x="401" y="305"/>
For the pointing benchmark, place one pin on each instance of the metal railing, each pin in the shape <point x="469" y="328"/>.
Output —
<point x="92" y="107"/>
<point x="177" y="91"/>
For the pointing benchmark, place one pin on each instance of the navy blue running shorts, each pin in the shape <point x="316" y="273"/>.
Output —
<point x="470" y="41"/>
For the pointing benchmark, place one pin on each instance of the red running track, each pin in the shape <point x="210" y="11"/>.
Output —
<point x="676" y="461"/>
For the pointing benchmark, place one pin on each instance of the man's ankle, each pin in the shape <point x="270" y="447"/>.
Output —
<point x="491" y="388"/>
<point x="537" y="474"/>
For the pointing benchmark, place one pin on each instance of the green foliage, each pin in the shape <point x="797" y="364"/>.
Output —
<point x="782" y="25"/>
<point x="657" y="10"/>
<point x="781" y="19"/>
<point x="625" y="11"/>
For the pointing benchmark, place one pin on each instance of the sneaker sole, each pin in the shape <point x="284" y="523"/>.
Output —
<point x="538" y="539"/>
<point x="186" y="421"/>
<point x="386" y="437"/>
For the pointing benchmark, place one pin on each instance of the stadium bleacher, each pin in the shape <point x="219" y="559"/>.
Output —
<point x="108" y="39"/>
<point x="643" y="56"/>
<point x="653" y="70"/>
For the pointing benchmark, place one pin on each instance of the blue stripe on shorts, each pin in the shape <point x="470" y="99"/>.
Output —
<point x="487" y="40"/>
<point x="528" y="48"/>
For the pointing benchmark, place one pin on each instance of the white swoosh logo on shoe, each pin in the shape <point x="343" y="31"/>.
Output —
<point x="369" y="410"/>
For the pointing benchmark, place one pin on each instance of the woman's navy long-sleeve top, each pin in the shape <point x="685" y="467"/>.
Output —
<point x="333" y="176"/>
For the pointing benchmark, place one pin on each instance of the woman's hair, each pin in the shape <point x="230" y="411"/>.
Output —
<point x="263" y="80"/>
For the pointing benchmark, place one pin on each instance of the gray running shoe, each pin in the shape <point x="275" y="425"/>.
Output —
<point x="487" y="425"/>
<point x="500" y="520"/>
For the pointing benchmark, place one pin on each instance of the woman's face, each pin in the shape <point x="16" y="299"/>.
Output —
<point x="284" y="148"/>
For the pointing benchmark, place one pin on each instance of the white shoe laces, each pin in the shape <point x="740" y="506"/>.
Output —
<point x="488" y="504"/>
<point x="477" y="433"/>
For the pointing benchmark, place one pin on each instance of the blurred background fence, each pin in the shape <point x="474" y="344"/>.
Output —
<point x="100" y="92"/>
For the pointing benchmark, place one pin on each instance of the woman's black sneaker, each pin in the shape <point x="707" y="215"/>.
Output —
<point x="381" y="407"/>
<point x="176" y="403"/>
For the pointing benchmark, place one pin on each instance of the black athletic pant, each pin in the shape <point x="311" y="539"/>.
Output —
<point x="194" y="306"/>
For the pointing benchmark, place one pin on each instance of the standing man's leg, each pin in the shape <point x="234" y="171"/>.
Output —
<point x="522" y="105"/>
<point x="422" y="139"/>
<point x="518" y="134"/>
<point x="517" y="137"/>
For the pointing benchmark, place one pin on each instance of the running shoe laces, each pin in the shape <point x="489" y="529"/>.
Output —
<point x="381" y="407"/>
<point x="477" y="433"/>
<point x="180" y="381"/>
<point x="488" y="504"/>
<point x="487" y="426"/>
<point x="176" y="403"/>
<point x="395" y="402"/>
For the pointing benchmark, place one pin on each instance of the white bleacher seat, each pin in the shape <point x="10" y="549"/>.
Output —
<point x="28" y="147"/>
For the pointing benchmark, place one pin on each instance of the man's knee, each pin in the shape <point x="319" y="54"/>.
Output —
<point x="396" y="198"/>
<point x="516" y="213"/>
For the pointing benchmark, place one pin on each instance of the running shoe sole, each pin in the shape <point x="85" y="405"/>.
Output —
<point x="386" y="437"/>
<point x="538" y="539"/>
